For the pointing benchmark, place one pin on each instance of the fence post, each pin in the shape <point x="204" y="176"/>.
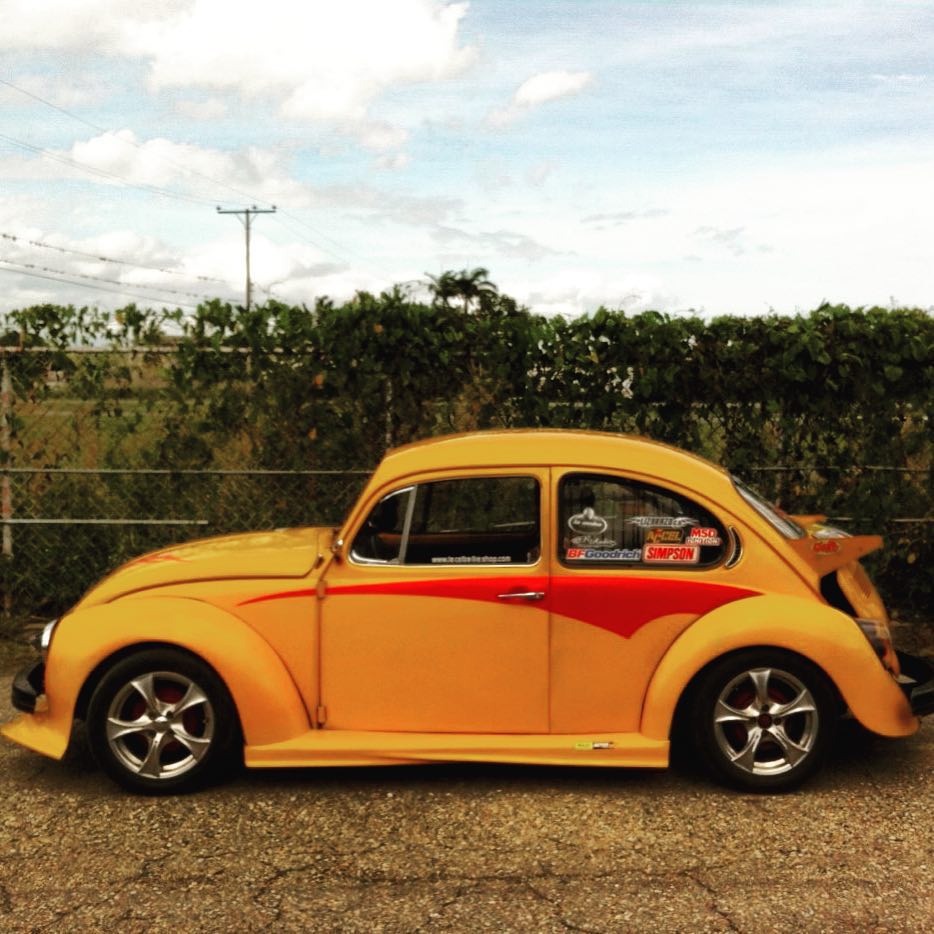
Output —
<point x="6" y="448"/>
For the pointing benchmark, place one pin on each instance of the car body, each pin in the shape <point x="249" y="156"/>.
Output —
<point x="533" y="596"/>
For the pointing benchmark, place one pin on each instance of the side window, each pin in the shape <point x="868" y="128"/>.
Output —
<point x="475" y="520"/>
<point x="379" y="540"/>
<point x="612" y="521"/>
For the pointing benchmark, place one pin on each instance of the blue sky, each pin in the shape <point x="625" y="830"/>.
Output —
<point x="725" y="157"/>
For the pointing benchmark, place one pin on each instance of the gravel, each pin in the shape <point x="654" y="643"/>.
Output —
<point x="472" y="848"/>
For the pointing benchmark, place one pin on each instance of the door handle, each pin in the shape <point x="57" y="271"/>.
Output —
<point x="523" y="595"/>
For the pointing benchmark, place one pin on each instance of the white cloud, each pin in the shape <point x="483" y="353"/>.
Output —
<point x="538" y="90"/>
<point x="320" y="61"/>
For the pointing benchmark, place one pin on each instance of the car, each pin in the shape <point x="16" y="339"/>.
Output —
<point x="537" y="596"/>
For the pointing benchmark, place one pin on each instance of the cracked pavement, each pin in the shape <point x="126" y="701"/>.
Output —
<point x="471" y="848"/>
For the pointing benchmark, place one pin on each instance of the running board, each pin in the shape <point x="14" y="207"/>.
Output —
<point x="350" y="747"/>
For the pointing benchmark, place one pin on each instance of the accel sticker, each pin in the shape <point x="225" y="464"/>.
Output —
<point x="663" y="536"/>
<point x="671" y="554"/>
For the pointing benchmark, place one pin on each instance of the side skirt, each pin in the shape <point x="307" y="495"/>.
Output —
<point x="347" y="747"/>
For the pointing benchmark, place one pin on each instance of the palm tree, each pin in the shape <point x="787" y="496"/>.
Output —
<point x="471" y="286"/>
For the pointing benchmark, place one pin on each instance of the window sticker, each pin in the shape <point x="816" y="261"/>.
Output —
<point x="600" y="554"/>
<point x="703" y="537"/>
<point x="587" y="522"/>
<point x="663" y="536"/>
<point x="472" y="559"/>
<point x="592" y="541"/>
<point x="671" y="554"/>
<point x="662" y="522"/>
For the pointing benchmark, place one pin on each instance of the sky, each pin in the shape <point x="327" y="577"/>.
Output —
<point x="722" y="158"/>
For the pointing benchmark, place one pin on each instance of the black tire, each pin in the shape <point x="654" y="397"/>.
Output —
<point x="162" y="722"/>
<point x="763" y="719"/>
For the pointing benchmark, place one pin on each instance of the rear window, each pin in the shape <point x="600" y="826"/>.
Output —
<point x="787" y="526"/>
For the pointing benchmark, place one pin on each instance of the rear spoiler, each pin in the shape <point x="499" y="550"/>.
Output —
<point x="828" y="554"/>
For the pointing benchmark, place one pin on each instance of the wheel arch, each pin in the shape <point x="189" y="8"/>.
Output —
<point x="819" y="634"/>
<point x="681" y="715"/>
<point x="89" y="642"/>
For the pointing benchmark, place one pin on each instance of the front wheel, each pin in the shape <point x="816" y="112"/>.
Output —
<point x="764" y="719"/>
<point x="161" y="721"/>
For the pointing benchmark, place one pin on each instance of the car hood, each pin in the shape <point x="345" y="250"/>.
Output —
<point x="281" y="553"/>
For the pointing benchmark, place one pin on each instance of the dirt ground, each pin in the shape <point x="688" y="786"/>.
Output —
<point x="472" y="848"/>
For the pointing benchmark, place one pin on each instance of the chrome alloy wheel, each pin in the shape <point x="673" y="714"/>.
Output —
<point x="160" y="725"/>
<point x="765" y="721"/>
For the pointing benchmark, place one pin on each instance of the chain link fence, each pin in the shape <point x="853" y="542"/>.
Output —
<point x="93" y="472"/>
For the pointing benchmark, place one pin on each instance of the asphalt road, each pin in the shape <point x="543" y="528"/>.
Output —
<point x="467" y="848"/>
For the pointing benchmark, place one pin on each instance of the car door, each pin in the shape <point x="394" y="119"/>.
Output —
<point x="435" y="618"/>
<point x="634" y="564"/>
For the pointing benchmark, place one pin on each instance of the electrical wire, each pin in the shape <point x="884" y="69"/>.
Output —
<point x="99" y="288"/>
<point x="106" y="259"/>
<point x="81" y="275"/>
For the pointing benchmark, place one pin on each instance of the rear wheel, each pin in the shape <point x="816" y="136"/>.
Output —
<point x="763" y="719"/>
<point x="161" y="721"/>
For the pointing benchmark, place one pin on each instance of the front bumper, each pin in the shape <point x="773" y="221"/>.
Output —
<point x="28" y="684"/>
<point x="920" y="688"/>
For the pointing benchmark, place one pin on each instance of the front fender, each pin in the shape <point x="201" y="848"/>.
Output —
<point x="266" y="698"/>
<point x="820" y="633"/>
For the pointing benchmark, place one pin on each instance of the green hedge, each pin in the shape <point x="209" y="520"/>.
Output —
<point x="840" y="399"/>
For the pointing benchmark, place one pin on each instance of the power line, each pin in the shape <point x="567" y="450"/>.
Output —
<point x="98" y="288"/>
<point x="81" y="275"/>
<point x="347" y="255"/>
<point x="106" y="259"/>
<point x="101" y="173"/>
<point x="129" y="142"/>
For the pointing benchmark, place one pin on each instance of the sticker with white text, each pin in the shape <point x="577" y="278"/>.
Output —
<point x="662" y="522"/>
<point x="703" y="537"/>
<point x="671" y="554"/>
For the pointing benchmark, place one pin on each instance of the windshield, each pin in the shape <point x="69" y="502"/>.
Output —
<point x="783" y="524"/>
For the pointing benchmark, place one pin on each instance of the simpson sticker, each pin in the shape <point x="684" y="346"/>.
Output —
<point x="587" y="522"/>
<point x="662" y="522"/>
<point x="671" y="554"/>
<point x="599" y="554"/>
<point x="663" y="536"/>
<point x="829" y="546"/>
<point x="703" y="536"/>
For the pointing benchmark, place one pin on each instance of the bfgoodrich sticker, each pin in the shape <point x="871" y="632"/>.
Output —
<point x="671" y="554"/>
<point x="600" y="554"/>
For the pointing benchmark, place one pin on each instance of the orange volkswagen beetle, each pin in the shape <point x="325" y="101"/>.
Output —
<point x="554" y="597"/>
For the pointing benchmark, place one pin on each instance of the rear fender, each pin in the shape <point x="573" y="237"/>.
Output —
<point x="266" y="698"/>
<point x="825" y="636"/>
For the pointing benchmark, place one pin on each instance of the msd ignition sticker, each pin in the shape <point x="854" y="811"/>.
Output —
<point x="600" y="554"/>
<point x="671" y="554"/>
<point x="663" y="536"/>
<point x="662" y="522"/>
<point x="703" y="536"/>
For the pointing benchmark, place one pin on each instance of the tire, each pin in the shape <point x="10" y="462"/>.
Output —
<point x="161" y="722"/>
<point x="763" y="719"/>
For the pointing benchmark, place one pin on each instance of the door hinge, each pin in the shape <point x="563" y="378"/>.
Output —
<point x="321" y="588"/>
<point x="321" y="715"/>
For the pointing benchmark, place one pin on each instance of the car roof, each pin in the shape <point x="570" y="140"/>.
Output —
<point x="546" y="447"/>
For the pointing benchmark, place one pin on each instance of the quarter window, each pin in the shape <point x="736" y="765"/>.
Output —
<point x="470" y="521"/>
<point x="611" y="521"/>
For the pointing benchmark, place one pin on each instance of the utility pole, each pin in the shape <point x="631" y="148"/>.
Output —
<point x="245" y="220"/>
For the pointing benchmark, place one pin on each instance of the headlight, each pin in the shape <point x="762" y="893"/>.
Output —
<point x="877" y="632"/>
<point x="44" y="639"/>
